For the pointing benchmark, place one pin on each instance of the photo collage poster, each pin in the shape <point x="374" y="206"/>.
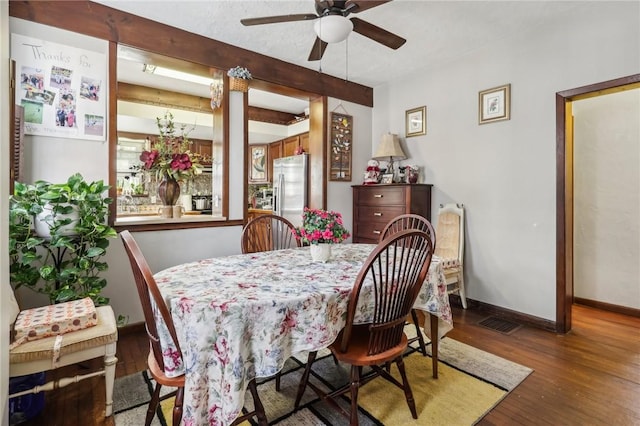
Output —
<point x="63" y="89"/>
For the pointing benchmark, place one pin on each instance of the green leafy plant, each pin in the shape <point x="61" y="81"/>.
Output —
<point x="66" y="264"/>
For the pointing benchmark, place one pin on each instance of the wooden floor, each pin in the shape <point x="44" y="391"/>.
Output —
<point x="591" y="376"/>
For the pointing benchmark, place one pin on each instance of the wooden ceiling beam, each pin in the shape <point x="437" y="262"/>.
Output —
<point x="97" y="20"/>
<point x="270" y="116"/>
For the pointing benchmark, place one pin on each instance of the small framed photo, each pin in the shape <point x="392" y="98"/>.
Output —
<point x="388" y="178"/>
<point x="416" y="124"/>
<point x="494" y="104"/>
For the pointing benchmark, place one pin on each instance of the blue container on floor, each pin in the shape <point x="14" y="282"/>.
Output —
<point x="25" y="407"/>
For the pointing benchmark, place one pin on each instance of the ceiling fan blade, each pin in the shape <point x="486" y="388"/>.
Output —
<point x="276" y="19"/>
<point x="317" y="50"/>
<point x="377" y="34"/>
<point x="355" y="6"/>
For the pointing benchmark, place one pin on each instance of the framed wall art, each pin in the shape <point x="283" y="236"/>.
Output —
<point x="341" y="147"/>
<point x="258" y="164"/>
<point x="494" y="104"/>
<point x="416" y="124"/>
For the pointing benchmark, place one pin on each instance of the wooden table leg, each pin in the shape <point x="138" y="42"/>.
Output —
<point x="434" y="344"/>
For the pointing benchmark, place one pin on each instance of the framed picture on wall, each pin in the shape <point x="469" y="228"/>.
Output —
<point x="258" y="164"/>
<point x="494" y="104"/>
<point x="416" y="124"/>
<point x="340" y="148"/>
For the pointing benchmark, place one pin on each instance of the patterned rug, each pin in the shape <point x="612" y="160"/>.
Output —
<point x="470" y="383"/>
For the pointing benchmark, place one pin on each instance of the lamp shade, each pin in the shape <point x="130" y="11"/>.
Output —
<point x="389" y="148"/>
<point x="333" y="28"/>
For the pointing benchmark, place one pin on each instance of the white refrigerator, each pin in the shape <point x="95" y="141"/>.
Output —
<point x="290" y="187"/>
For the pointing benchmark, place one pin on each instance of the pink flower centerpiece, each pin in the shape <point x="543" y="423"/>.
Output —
<point x="321" y="226"/>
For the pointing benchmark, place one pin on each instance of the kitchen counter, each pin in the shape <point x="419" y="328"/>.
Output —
<point x="259" y="211"/>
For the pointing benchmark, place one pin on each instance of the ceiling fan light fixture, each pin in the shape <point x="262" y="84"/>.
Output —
<point x="333" y="28"/>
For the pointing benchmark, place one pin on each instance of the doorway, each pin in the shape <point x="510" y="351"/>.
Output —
<point x="564" y="188"/>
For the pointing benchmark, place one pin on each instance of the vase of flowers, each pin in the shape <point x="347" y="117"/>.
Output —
<point x="170" y="159"/>
<point x="412" y="174"/>
<point x="321" y="229"/>
<point x="239" y="79"/>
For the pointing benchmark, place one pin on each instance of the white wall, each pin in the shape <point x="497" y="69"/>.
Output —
<point x="339" y="196"/>
<point x="606" y="259"/>
<point x="504" y="172"/>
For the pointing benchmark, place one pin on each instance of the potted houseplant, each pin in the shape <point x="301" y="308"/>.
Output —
<point x="64" y="262"/>
<point x="239" y="79"/>
<point x="321" y="228"/>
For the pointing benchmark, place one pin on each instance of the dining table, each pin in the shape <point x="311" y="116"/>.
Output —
<point x="241" y="317"/>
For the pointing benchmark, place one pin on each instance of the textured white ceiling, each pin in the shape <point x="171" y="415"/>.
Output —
<point x="437" y="32"/>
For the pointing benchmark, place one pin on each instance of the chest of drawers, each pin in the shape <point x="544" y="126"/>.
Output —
<point x="375" y="205"/>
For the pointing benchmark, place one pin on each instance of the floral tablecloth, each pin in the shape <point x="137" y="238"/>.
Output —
<point x="240" y="317"/>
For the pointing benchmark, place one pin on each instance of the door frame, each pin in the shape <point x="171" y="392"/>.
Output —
<point x="564" y="188"/>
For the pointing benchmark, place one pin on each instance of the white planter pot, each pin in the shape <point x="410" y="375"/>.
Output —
<point x="320" y="252"/>
<point x="44" y="221"/>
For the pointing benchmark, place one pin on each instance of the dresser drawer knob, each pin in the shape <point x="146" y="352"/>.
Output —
<point x="377" y="214"/>
<point x="377" y="195"/>
<point x="377" y="232"/>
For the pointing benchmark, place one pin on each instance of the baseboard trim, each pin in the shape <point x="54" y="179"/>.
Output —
<point x="624" y="310"/>
<point x="507" y="314"/>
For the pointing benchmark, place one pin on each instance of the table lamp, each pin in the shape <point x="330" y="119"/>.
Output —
<point x="389" y="149"/>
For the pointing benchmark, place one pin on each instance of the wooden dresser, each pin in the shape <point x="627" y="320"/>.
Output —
<point x="375" y="205"/>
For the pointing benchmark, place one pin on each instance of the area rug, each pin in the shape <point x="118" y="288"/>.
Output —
<point x="470" y="383"/>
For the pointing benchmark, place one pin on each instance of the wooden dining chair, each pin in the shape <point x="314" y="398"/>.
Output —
<point x="396" y="270"/>
<point x="148" y="289"/>
<point x="268" y="232"/>
<point x="401" y="223"/>
<point x="450" y="249"/>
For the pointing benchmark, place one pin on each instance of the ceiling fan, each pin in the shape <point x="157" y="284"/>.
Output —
<point x="333" y="26"/>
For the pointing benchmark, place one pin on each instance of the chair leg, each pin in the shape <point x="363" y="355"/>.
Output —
<point x="177" y="406"/>
<point x="414" y="316"/>
<point x="461" y="292"/>
<point x="278" y="376"/>
<point x="257" y="403"/>
<point x="153" y="405"/>
<point x="304" y="379"/>
<point x="355" y="385"/>
<point x="110" y="362"/>
<point x="435" y="342"/>
<point x="407" y="389"/>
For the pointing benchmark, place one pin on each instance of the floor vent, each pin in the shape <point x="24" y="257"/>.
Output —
<point x="500" y="325"/>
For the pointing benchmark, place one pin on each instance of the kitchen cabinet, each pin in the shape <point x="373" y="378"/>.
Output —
<point x="205" y="149"/>
<point x="304" y="141"/>
<point x="290" y="144"/>
<point x="286" y="148"/>
<point x="375" y="205"/>
<point x="275" y="151"/>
